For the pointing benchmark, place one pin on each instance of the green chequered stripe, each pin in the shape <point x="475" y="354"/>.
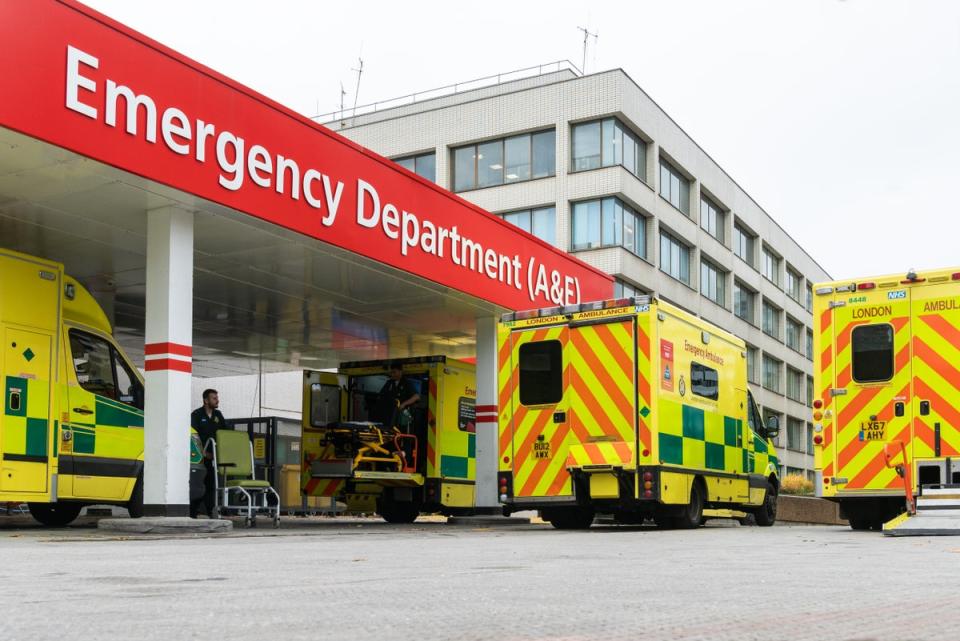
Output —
<point x="471" y="446"/>
<point x="454" y="466"/>
<point x="114" y="414"/>
<point x="84" y="438"/>
<point x="25" y="425"/>
<point x="692" y="437"/>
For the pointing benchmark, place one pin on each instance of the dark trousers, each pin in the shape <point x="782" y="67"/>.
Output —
<point x="208" y="502"/>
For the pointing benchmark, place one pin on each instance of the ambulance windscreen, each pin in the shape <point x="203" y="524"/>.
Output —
<point x="872" y="353"/>
<point x="541" y="373"/>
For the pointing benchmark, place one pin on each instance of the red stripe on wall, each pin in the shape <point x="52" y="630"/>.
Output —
<point x="151" y="349"/>
<point x="160" y="364"/>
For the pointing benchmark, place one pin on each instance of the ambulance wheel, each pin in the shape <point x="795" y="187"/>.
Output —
<point x="766" y="514"/>
<point x="135" y="504"/>
<point x="400" y="513"/>
<point x="55" y="514"/>
<point x="692" y="514"/>
<point x="859" y="523"/>
<point x="572" y="519"/>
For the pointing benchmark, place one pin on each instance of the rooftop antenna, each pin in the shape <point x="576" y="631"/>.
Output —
<point x="356" y="93"/>
<point x="343" y="94"/>
<point x="586" y="36"/>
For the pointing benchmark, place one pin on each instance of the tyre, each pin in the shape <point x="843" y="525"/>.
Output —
<point x="692" y="515"/>
<point x="572" y="519"/>
<point x="399" y="513"/>
<point x="135" y="504"/>
<point x="55" y="514"/>
<point x="766" y="514"/>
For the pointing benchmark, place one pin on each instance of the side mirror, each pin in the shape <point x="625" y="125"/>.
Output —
<point x="773" y="426"/>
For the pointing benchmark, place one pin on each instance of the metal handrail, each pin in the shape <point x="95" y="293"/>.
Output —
<point x="429" y="94"/>
<point x="903" y="470"/>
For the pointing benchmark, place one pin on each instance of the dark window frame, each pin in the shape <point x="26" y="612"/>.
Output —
<point x="853" y="353"/>
<point x="640" y="145"/>
<point x="704" y="369"/>
<point x="555" y="374"/>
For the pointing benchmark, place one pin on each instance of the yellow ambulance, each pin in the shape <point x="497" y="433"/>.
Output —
<point x="427" y="466"/>
<point x="71" y="433"/>
<point x="887" y="387"/>
<point x="629" y="407"/>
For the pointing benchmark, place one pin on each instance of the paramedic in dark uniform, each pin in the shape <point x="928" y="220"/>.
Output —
<point x="207" y="420"/>
<point x="396" y="395"/>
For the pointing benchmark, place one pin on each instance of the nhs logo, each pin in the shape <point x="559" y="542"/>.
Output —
<point x="897" y="295"/>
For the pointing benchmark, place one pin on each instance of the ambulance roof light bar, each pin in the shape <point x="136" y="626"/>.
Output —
<point x="567" y="310"/>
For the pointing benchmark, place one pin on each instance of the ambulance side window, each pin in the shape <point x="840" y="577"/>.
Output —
<point x="541" y="373"/>
<point x="872" y="347"/>
<point x="93" y="363"/>
<point x="703" y="381"/>
<point x="753" y="414"/>
<point x="324" y="404"/>
<point x="129" y="390"/>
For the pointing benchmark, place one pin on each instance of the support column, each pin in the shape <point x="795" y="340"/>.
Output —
<point x="168" y="360"/>
<point x="488" y="453"/>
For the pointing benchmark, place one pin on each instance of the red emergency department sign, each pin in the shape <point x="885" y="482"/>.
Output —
<point x="78" y="80"/>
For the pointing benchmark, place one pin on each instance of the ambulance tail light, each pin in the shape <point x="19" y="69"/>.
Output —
<point x="955" y="276"/>
<point x="865" y="286"/>
<point x="817" y="440"/>
<point x="818" y="404"/>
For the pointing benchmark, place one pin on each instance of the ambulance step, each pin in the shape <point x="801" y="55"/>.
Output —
<point x="939" y="497"/>
<point x="930" y="523"/>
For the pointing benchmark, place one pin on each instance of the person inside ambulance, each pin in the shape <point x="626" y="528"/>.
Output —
<point x="394" y="403"/>
<point x="207" y="419"/>
<point x="396" y="397"/>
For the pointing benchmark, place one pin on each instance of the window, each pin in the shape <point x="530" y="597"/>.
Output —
<point x="623" y="289"/>
<point x="711" y="218"/>
<point x="744" y="302"/>
<point x="794" y="335"/>
<point x="102" y="370"/>
<point x="793" y="285"/>
<point x="703" y="381"/>
<point x="771" y="267"/>
<point x="809" y="301"/>
<point x="540" y="222"/>
<point x="872" y="353"/>
<point x="541" y="373"/>
<point x="424" y="165"/>
<point x="809" y="391"/>
<point x="771" y="320"/>
<point x="795" y="435"/>
<point x="767" y="413"/>
<point x="324" y="404"/>
<point x="771" y="373"/>
<point x="743" y="245"/>
<point x="674" y="258"/>
<point x="608" y="143"/>
<point x="606" y="223"/>
<point x="794" y="385"/>
<point x="752" y="364"/>
<point x="713" y="282"/>
<point x="503" y="161"/>
<point x="810" y="344"/>
<point x="809" y="442"/>
<point x="674" y="188"/>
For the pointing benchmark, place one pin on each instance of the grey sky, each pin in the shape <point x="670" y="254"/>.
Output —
<point x="839" y="118"/>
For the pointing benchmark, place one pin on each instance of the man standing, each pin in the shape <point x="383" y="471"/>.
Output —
<point x="207" y="420"/>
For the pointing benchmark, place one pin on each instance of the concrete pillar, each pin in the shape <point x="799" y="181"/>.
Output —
<point x="488" y="452"/>
<point x="168" y="361"/>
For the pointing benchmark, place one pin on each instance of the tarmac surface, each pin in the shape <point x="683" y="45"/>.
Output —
<point x="345" y="579"/>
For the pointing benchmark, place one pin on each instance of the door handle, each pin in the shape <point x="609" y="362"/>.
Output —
<point x="82" y="410"/>
<point x="898" y="409"/>
<point x="924" y="408"/>
<point x="559" y="417"/>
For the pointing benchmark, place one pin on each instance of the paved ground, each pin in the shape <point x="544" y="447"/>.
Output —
<point x="354" y="579"/>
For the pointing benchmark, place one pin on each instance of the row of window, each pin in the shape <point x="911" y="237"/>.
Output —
<point x="744" y="307"/>
<point x="605" y="143"/>
<point x="799" y="386"/>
